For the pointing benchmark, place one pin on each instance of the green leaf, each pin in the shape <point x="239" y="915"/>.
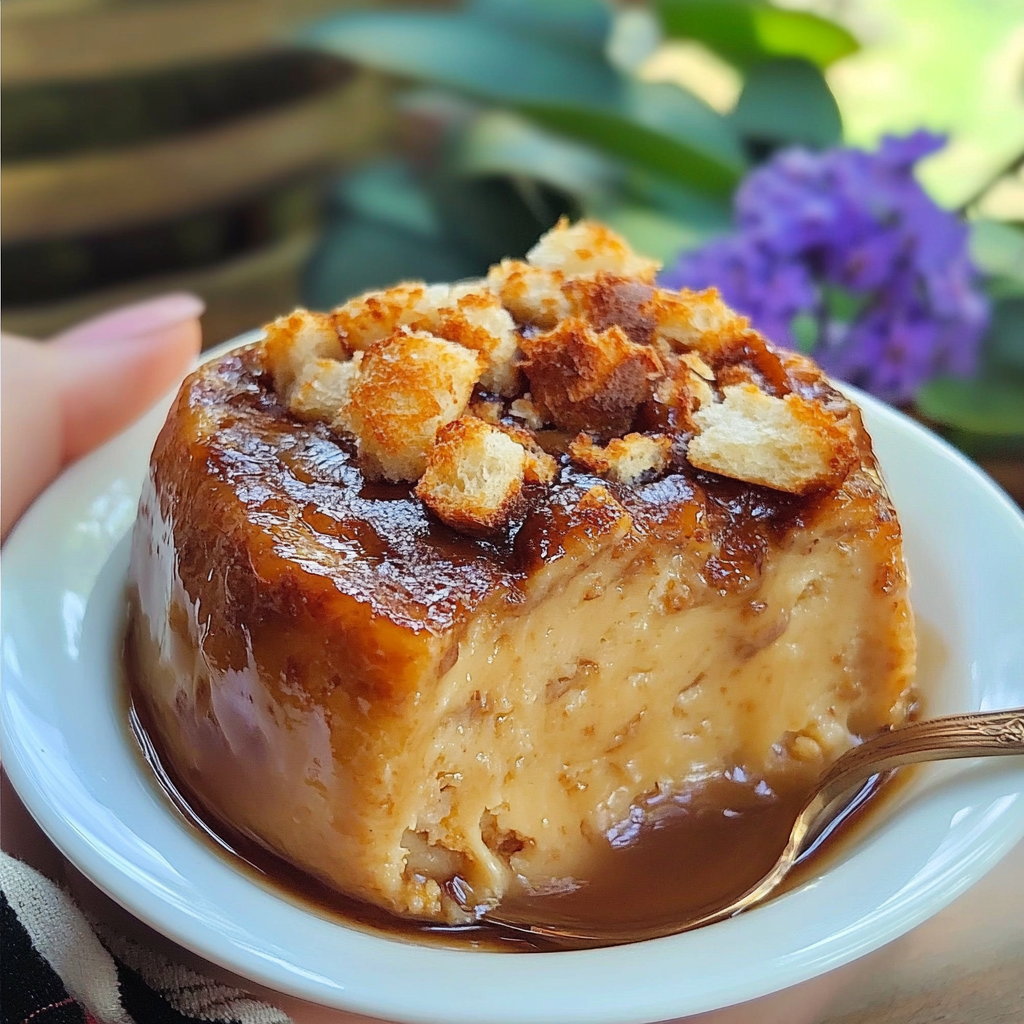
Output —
<point x="999" y="288"/>
<point x="804" y="327"/>
<point x="386" y="191"/>
<point x="470" y="54"/>
<point x="998" y="248"/>
<point x="584" y="23"/>
<point x="649" y="231"/>
<point x="661" y="128"/>
<point x="490" y="217"/>
<point x="499" y="142"/>
<point x="705" y="214"/>
<point x="1004" y="343"/>
<point x="787" y="102"/>
<point x="980" y="405"/>
<point x="745" y="32"/>
<point x="356" y="254"/>
<point x="843" y="305"/>
<point x="569" y="90"/>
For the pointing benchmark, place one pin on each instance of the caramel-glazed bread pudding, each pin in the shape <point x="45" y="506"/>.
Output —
<point x="432" y="591"/>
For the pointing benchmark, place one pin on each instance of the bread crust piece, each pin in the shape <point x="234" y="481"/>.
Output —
<point x="376" y="315"/>
<point x="589" y="380"/>
<point x="298" y="339"/>
<point x="474" y="317"/>
<point x="630" y="356"/>
<point x="790" y="443"/>
<point x="409" y="386"/>
<point x="533" y="295"/>
<point x="624" y="460"/>
<point x="588" y="247"/>
<point x="474" y="476"/>
<point x="323" y="389"/>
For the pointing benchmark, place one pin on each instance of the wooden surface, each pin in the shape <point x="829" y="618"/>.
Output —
<point x="964" y="966"/>
<point x="60" y="40"/>
<point x="1009" y="474"/>
<point x="240" y="294"/>
<point x="103" y="191"/>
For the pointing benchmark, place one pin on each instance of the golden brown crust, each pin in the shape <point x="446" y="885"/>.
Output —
<point x="605" y="300"/>
<point x="476" y="319"/>
<point x="624" y="459"/>
<point x="688" y="319"/>
<point x="588" y="247"/>
<point x="376" y="315"/>
<point x="790" y="444"/>
<point x="589" y="380"/>
<point x="603" y="351"/>
<point x="297" y="339"/>
<point x="534" y="296"/>
<point x="323" y="389"/>
<point x="474" y="476"/>
<point x="409" y="386"/>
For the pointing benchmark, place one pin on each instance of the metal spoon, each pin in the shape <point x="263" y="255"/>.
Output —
<point x="982" y="734"/>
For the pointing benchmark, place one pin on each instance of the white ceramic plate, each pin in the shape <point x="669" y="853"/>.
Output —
<point x="68" y="753"/>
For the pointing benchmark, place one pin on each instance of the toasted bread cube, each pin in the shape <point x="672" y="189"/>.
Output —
<point x="541" y="468"/>
<point x="681" y="395"/>
<point x="322" y="390"/>
<point x="474" y="476"/>
<point x="527" y="410"/>
<point x="295" y="340"/>
<point x="475" y="318"/>
<point x="688" y="319"/>
<point x="410" y="385"/>
<point x="604" y="299"/>
<point x="588" y="380"/>
<point x="587" y="247"/>
<point x="624" y="459"/>
<point x="789" y="444"/>
<point x="698" y="366"/>
<point x="534" y="296"/>
<point x="490" y="410"/>
<point x="376" y="315"/>
<point x="686" y="387"/>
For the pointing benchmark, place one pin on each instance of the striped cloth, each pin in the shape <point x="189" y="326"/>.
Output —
<point x="56" y="967"/>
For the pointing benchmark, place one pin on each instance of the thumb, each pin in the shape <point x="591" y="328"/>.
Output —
<point x="111" y="370"/>
<point x="63" y="398"/>
<point x="30" y="426"/>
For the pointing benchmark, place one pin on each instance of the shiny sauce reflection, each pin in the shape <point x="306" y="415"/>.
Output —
<point x="677" y="857"/>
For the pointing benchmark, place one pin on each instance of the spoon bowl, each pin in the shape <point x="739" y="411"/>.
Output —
<point x="979" y="734"/>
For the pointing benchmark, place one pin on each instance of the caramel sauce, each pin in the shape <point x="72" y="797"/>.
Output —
<point x="677" y="857"/>
<point x="303" y="484"/>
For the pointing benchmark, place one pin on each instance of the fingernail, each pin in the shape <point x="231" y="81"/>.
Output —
<point x="134" y="321"/>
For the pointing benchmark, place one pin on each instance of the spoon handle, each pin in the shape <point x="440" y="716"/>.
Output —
<point x="979" y="734"/>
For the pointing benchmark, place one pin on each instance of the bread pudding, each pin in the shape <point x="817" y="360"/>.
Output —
<point x="433" y="592"/>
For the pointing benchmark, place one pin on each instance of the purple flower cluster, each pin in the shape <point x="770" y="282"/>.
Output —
<point x="845" y="256"/>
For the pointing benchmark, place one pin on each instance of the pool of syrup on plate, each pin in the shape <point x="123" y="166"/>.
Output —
<point x="679" y="856"/>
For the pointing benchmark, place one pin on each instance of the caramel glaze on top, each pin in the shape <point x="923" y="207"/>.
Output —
<point x="317" y="518"/>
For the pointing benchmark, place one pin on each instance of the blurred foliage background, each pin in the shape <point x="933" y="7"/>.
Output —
<point x="266" y="152"/>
